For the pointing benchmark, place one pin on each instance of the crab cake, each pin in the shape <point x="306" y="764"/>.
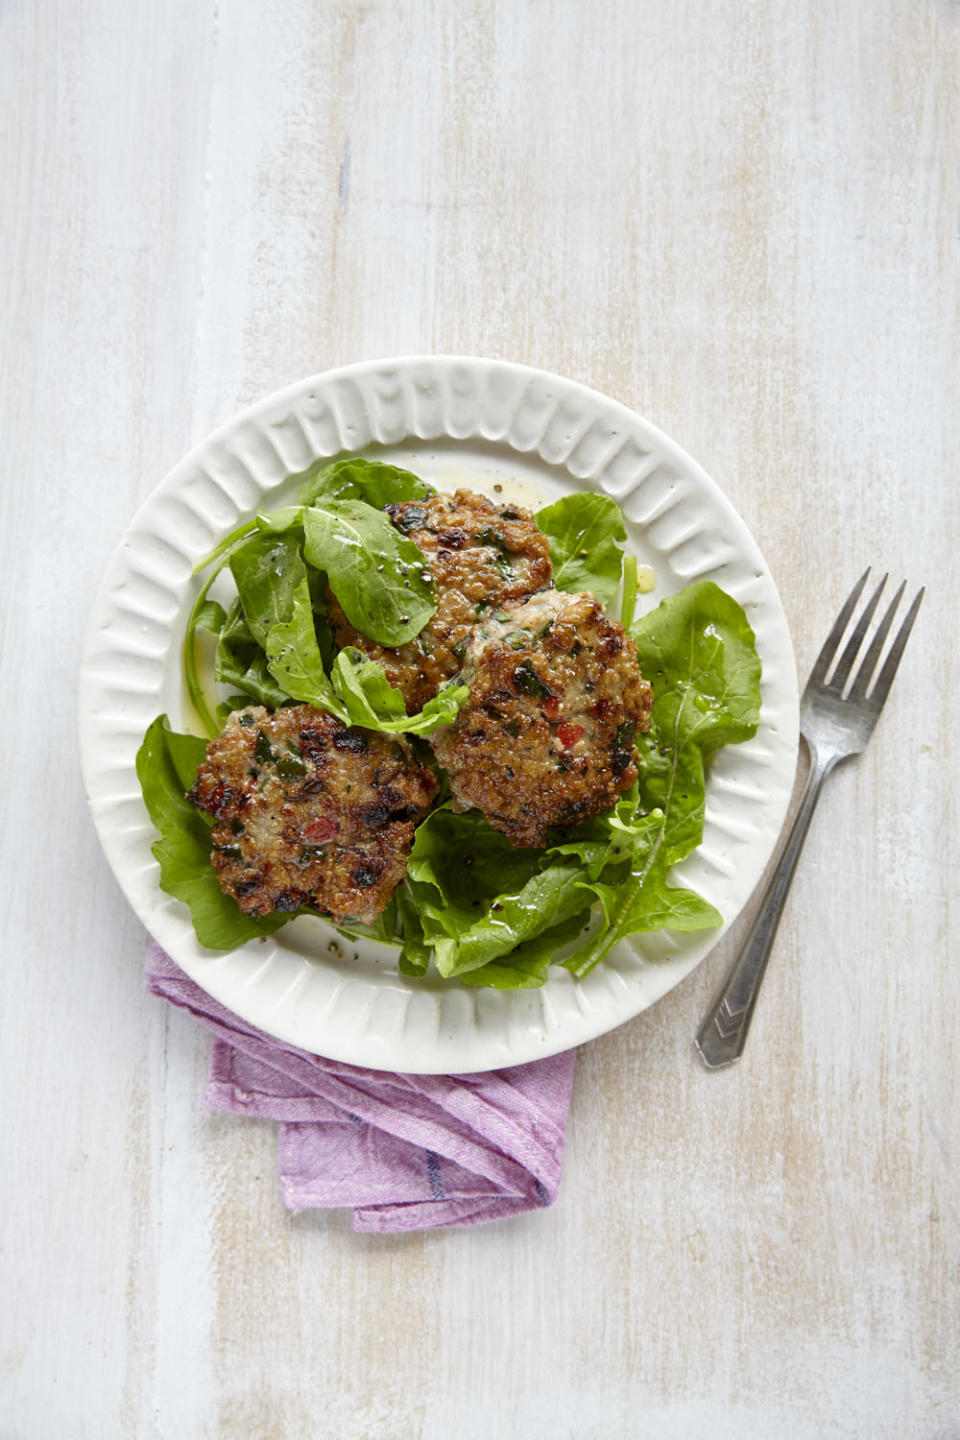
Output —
<point x="482" y="556"/>
<point x="309" y="811"/>
<point x="546" y="737"/>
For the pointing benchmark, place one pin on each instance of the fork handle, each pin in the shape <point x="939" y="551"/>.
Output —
<point x="723" y="1034"/>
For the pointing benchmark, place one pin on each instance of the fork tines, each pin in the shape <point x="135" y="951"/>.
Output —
<point x="841" y="672"/>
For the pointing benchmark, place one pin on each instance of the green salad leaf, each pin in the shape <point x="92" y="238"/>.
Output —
<point x="527" y="967"/>
<point x="586" y="533"/>
<point x="380" y="577"/>
<point x="293" y="655"/>
<point x="699" y="653"/>
<point x="415" y="953"/>
<point x="239" y="657"/>
<point x="210" y="616"/>
<point x="477" y="897"/>
<point x="166" y="765"/>
<point x="241" y="662"/>
<point x="354" y="478"/>
<point x="268" y="569"/>
<point x="370" y="700"/>
<point x="274" y="643"/>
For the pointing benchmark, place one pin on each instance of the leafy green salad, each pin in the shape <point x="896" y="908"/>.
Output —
<point x="472" y="905"/>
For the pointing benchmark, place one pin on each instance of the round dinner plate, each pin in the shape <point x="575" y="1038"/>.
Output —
<point x="514" y="433"/>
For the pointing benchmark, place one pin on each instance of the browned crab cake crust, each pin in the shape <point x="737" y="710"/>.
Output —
<point x="481" y="555"/>
<point x="546" y="738"/>
<point x="309" y="811"/>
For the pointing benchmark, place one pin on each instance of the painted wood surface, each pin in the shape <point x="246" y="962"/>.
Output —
<point x="742" y="220"/>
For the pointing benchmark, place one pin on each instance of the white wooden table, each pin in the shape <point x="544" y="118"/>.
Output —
<point x="741" y="220"/>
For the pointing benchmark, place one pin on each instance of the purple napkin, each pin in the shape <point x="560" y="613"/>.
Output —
<point x="406" y="1152"/>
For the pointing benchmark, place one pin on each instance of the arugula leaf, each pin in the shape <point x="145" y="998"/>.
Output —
<point x="289" y="518"/>
<point x="699" y="653"/>
<point x="478" y="897"/>
<point x="380" y="577"/>
<point x="635" y="896"/>
<point x="221" y="550"/>
<point x="268" y="569"/>
<point x="611" y="839"/>
<point x="527" y="967"/>
<point x="210" y="616"/>
<point x="276" y="645"/>
<point x="357" y="691"/>
<point x="354" y="478"/>
<point x="281" y="615"/>
<point x="415" y="953"/>
<point x="294" y="659"/>
<point x="370" y="700"/>
<point x="204" y="615"/>
<point x="466" y="861"/>
<point x="166" y="765"/>
<point x="654" y="905"/>
<point x="185" y="753"/>
<point x="586" y="532"/>
<point x="240" y="661"/>
<point x="516" y="915"/>
<point x="366" y="692"/>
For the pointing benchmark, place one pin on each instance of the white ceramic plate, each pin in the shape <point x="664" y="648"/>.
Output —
<point x="507" y="430"/>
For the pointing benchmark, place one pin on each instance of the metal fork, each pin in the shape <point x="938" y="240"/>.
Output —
<point x="836" y="720"/>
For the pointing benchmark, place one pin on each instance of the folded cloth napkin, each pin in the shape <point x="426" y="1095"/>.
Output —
<point x="406" y="1152"/>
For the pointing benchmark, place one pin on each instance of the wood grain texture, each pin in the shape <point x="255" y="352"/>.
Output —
<point x="740" y="219"/>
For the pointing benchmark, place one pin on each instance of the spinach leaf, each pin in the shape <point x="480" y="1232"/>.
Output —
<point x="370" y="700"/>
<point x="355" y="478"/>
<point x="166" y="765"/>
<point x="379" y="576"/>
<point x="586" y="533"/>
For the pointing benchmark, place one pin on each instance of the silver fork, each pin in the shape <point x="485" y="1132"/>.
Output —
<point x="836" y="721"/>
